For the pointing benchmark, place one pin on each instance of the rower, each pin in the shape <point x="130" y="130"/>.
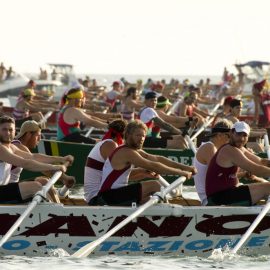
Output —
<point x="28" y="139"/>
<point x="219" y="136"/>
<point x="151" y="119"/>
<point x="70" y="117"/>
<point x="97" y="156"/>
<point x="114" y="188"/>
<point x="25" y="109"/>
<point x="221" y="182"/>
<point x="12" y="155"/>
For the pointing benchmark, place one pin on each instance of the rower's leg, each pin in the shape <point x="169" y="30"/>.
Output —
<point x="148" y="189"/>
<point x="259" y="191"/>
<point x="52" y="194"/>
<point x="28" y="189"/>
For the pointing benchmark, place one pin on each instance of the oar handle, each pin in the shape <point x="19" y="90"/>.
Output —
<point x="175" y="192"/>
<point x="90" y="130"/>
<point x="191" y="144"/>
<point x="45" y="117"/>
<point x="266" y="145"/>
<point x="63" y="191"/>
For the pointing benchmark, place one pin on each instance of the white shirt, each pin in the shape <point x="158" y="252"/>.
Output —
<point x="199" y="178"/>
<point x="93" y="176"/>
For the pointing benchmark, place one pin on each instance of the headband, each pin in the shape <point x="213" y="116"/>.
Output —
<point x="110" y="132"/>
<point x="79" y="94"/>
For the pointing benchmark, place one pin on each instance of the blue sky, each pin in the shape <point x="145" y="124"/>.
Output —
<point x="182" y="37"/>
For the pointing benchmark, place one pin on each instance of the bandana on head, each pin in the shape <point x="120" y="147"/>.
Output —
<point x="119" y="136"/>
<point x="78" y="95"/>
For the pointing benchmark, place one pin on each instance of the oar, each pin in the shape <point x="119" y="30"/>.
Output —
<point x="45" y="118"/>
<point x="252" y="227"/>
<point x="89" y="132"/>
<point x="38" y="197"/>
<point x="263" y="212"/>
<point x="202" y="128"/>
<point x="87" y="249"/>
<point x="209" y="120"/>
<point x="266" y="145"/>
<point x="63" y="191"/>
<point x="174" y="192"/>
<point x="191" y="144"/>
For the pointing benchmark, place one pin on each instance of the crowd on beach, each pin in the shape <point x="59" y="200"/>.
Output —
<point x="133" y="116"/>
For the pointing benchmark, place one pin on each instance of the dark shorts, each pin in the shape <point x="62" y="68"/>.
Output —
<point x="155" y="142"/>
<point x="123" y="196"/>
<point x="10" y="193"/>
<point x="234" y="196"/>
<point x="79" y="138"/>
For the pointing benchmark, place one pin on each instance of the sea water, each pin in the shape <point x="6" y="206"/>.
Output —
<point x="59" y="260"/>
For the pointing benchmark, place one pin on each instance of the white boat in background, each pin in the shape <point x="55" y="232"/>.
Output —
<point x="253" y="71"/>
<point x="60" y="77"/>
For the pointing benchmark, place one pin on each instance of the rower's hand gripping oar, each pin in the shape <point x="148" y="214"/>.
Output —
<point x="38" y="197"/>
<point x="87" y="249"/>
<point x="264" y="211"/>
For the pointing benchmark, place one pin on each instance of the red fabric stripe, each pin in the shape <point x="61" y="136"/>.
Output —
<point x="94" y="164"/>
<point x="111" y="178"/>
<point x="115" y="150"/>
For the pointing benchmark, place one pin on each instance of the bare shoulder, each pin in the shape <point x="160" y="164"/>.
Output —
<point x="109" y="143"/>
<point x="231" y="151"/>
<point x="206" y="152"/>
<point x="21" y="147"/>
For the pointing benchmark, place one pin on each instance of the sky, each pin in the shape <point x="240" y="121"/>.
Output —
<point x="170" y="37"/>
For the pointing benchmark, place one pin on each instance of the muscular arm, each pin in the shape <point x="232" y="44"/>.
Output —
<point x="230" y="156"/>
<point x="20" y="161"/>
<point x="177" y="121"/>
<point x="166" y="161"/>
<point x="159" y="122"/>
<point x="79" y="115"/>
<point x="133" y="157"/>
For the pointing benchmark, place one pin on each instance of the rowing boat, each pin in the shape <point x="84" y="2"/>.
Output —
<point x="163" y="229"/>
<point x="81" y="151"/>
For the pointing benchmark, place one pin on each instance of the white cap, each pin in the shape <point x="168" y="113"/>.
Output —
<point x="241" y="127"/>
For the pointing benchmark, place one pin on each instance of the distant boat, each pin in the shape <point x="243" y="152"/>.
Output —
<point x="60" y="77"/>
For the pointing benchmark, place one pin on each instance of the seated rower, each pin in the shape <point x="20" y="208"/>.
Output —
<point x="219" y="136"/>
<point x="114" y="188"/>
<point x="12" y="155"/>
<point x="154" y="122"/>
<point x="28" y="139"/>
<point x="26" y="110"/>
<point x="162" y="107"/>
<point x="97" y="156"/>
<point x="70" y="117"/>
<point x="221" y="182"/>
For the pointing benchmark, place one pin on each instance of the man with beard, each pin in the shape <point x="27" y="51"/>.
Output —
<point x="28" y="139"/>
<point x="11" y="155"/>
<point x="222" y="185"/>
<point x="114" y="188"/>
